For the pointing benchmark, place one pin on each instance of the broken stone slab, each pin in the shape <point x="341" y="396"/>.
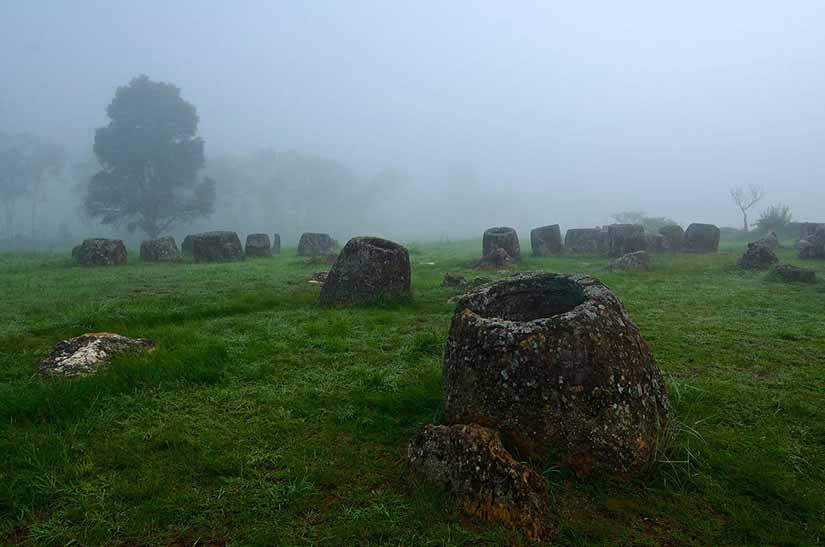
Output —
<point x="498" y="258"/>
<point x="85" y="354"/>
<point x="473" y="464"/>
<point x="757" y="257"/>
<point x="638" y="261"/>
<point x="794" y="274"/>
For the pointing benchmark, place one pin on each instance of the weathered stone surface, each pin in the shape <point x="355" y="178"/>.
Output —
<point x="757" y="257"/>
<point x="217" y="247"/>
<point x="368" y="269"/>
<point x="556" y="364"/>
<point x="701" y="238"/>
<point x="771" y="241"/>
<point x="813" y="246"/>
<point x="163" y="249"/>
<point x="584" y="240"/>
<point x="276" y="244"/>
<point x="808" y="229"/>
<point x="675" y="235"/>
<point x="623" y="239"/>
<point x="186" y="246"/>
<point x="258" y="245"/>
<point x="794" y="274"/>
<point x="100" y="252"/>
<point x="314" y="244"/>
<point x="501" y="237"/>
<point x="498" y="258"/>
<point x="656" y="243"/>
<point x="471" y="462"/>
<point x="84" y="354"/>
<point x="638" y="261"/>
<point x="454" y="281"/>
<point x="546" y="241"/>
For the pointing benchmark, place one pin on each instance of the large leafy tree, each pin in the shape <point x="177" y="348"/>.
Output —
<point x="151" y="157"/>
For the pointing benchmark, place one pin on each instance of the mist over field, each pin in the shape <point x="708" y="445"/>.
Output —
<point x="426" y="120"/>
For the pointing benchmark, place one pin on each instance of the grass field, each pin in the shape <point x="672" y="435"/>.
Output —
<point x="262" y="419"/>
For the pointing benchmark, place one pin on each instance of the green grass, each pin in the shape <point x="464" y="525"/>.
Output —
<point x="263" y="419"/>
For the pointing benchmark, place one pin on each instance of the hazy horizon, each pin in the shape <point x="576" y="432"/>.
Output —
<point x="528" y="114"/>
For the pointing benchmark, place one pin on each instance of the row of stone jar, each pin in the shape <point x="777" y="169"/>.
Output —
<point x="218" y="246"/>
<point x="614" y="240"/>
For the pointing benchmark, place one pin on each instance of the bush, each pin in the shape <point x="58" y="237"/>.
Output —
<point x="774" y="219"/>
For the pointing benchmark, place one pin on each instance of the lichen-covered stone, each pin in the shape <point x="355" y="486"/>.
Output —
<point x="276" y="244"/>
<point x="556" y="364"/>
<point x="217" y="247"/>
<point x="546" y="241"/>
<point x="675" y="235"/>
<point x="496" y="260"/>
<point x="624" y="239"/>
<point x="85" y="354"/>
<point x="368" y="269"/>
<point x="757" y="257"/>
<point x="794" y="274"/>
<point x="100" y="252"/>
<point x="638" y="261"/>
<point x="771" y="241"/>
<point x="471" y="462"/>
<point x="258" y="245"/>
<point x="701" y="238"/>
<point x="163" y="249"/>
<point x="315" y="244"/>
<point x="584" y="240"/>
<point x="501" y="237"/>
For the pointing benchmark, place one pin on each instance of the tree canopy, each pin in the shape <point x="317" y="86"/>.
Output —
<point x="151" y="157"/>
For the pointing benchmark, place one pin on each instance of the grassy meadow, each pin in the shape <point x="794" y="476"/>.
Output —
<point x="262" y="419"/>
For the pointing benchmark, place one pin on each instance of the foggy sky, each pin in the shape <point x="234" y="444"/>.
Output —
<point x="580" y="110"/>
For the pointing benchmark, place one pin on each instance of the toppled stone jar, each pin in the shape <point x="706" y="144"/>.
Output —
<point x="556" y="364"/>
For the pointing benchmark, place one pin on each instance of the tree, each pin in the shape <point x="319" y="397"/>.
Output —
<point x="746" y="197"/>
<point x="150" y="156"/>
<point x="774" y="219"/>
<point x="43" y="161"/>
<point x="12" y="179"/>
<point x="26" y="163"/>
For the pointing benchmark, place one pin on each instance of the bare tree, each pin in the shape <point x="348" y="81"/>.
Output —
<point x="746" y="197"/>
